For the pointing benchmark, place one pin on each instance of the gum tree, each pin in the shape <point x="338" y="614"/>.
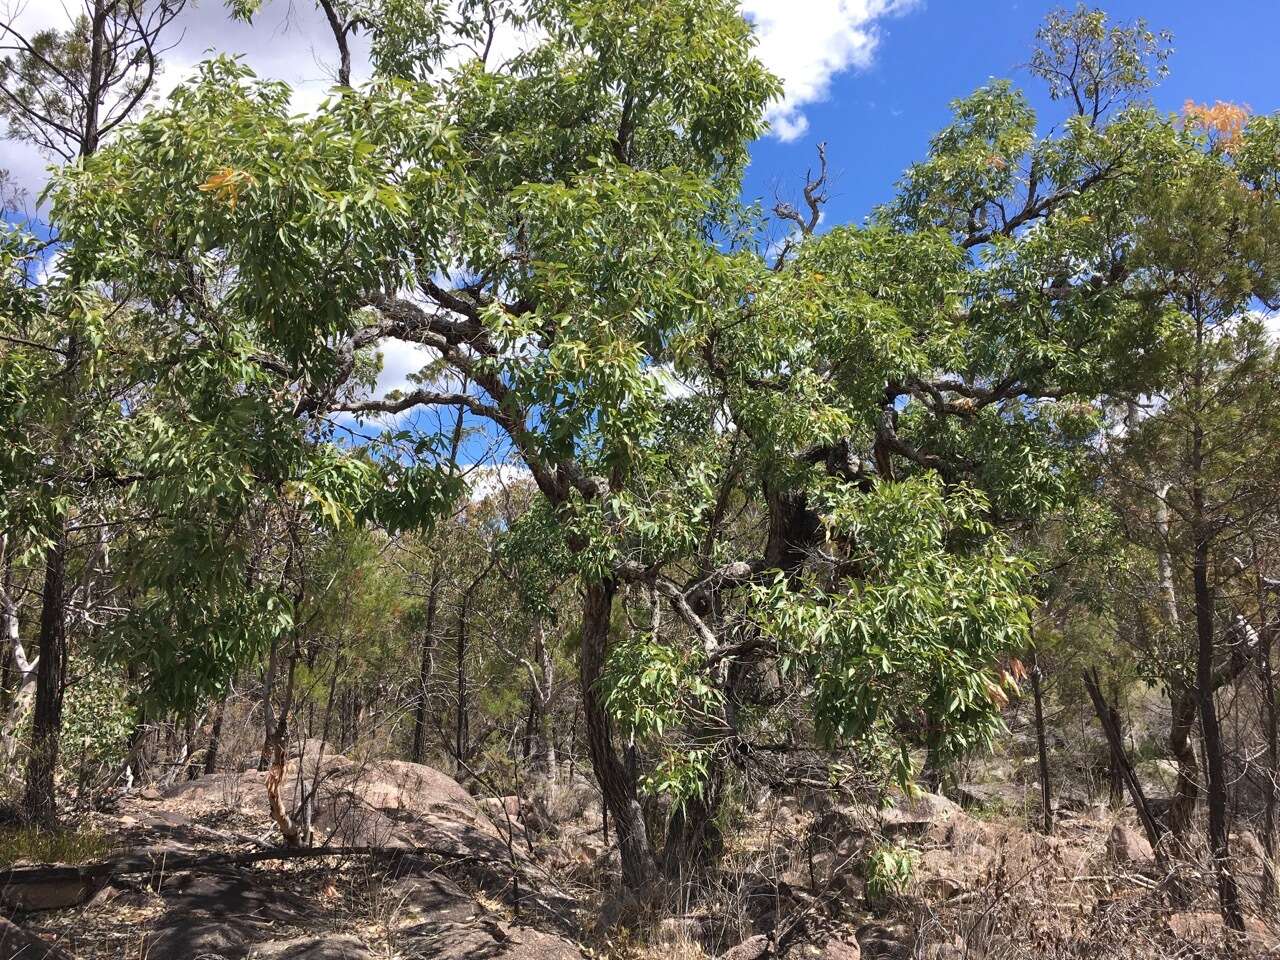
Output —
<point x="807" y="464"/>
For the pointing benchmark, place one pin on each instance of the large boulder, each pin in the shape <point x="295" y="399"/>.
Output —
<point x="366" y="803"/>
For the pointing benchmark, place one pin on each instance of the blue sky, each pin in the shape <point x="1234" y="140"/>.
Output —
<point x="878" y="119"/>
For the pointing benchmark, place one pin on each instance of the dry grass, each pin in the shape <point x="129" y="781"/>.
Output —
<point x="28" y="844"/>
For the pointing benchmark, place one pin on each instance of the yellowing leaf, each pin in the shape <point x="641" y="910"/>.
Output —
<point x="227" y="184"/>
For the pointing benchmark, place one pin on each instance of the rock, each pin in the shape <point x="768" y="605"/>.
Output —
<point x="485" y="939"/>
<point x="915" y="814"/>
<point x="994" y="796"/>
<point x="842" y="950"/>
<point x="1128" y="847"/>
<point x="343" y="819"/>
<point x="1206" y="928"/>
<point x="332" y="947"/>
<point x="882" y="940"/>
<point x="513" y="813"/>
<point x="19" y="944"/>
<point x="766" y="901"/>
<point x="181" y="939"/>
<point x="49" y="894"/>
<point x="221" y="914"/>
<point x="752" y="948"/>
<point x="151" y="793"/>
<point x="311" y="747"/>
<point x="940" y="888"/>
<point x="434" y="897"/>
<point x="833" y="844"/>
<point x="230" y="894"/>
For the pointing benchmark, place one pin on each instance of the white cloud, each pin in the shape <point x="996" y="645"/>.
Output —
<point x="808" y="42"/>
<point x="486" y="480"/>
<point x="399" y="359"/>
<point x="1270" y="320"/>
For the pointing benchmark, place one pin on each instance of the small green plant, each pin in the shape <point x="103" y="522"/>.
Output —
<point x="42" y="845"/>
<point x="890" y="867"/>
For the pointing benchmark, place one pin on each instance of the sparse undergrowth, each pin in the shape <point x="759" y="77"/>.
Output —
<point x="21" y="843"/>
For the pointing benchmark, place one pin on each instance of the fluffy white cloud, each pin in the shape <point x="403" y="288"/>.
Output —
<point x="399" y="359"/>
<point x="807" y="42"/>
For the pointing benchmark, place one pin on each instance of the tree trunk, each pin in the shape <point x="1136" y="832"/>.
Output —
<point x="1042" y="750"/>
<point x="39" y="801"/>
<point x="24" y="687"/>
<point x="426" y="668"/>
<point x="1228" y="893"/>
<point x="273" y="755"/>
<point x="617" y="786"/>
<point x="1182" y="805"/>
<point x="460" y="747"/>
<point x="1105" y="717"/>
<point x="694" y="838"/>
<point x="1116" y="777"/>
<point x="540" y="744"/>
<point x="1270" y="721"/>
<point x="215" y="737"/>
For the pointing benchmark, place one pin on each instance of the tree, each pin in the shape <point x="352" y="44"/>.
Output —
<point x="868" y="417"/>
<point x="65" y="92"/>
<point x="1208" y="250"/>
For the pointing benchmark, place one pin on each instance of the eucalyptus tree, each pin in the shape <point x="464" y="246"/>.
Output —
<point x="863" y="419"/>
<point x="139" y="424"/>
<point x="567" y="190"/>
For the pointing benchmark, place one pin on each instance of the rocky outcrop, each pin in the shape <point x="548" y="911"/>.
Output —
<point x="245" y="916"/>
<point x="192" y="863"/>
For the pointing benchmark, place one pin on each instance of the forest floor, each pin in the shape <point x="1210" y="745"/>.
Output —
<point x="431" y="872"/>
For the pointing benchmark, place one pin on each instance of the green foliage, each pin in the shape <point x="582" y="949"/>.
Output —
<point x="1096" y="63"/>
<point x="651" y="687"/>
<point x="937" y="601"/>
<point x="832" y="462"/>
<point x="99" y="717"/>
<point x="890" y="868"/>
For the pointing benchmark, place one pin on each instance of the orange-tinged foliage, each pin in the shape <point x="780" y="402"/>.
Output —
<point x="227" y="184"/>
<point x="1224" y="122"/>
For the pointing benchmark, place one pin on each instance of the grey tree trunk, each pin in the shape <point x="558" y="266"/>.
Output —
<point x="617" y="784"/>
<point x="24" y="669"/>
<point x="1042" y="749"/>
